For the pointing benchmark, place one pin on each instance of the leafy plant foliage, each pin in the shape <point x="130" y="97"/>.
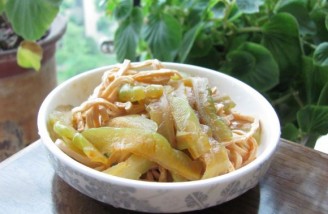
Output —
<point x="279" y="47"/>
<point x="30" y="20"/>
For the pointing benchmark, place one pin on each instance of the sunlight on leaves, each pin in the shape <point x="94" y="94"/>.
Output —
<point x="31" y="18"/>
<point x="320" y="55"/>
<point x="218" y="10"/>
<point x="2" y="5"/>
<point x="29" y="55"/>
<point x="249" y="6"/>
<point x="110" y="6"/>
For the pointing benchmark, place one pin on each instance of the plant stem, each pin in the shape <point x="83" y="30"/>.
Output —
<point x="284" y="98"/>
<point x="227" y="12"/>
<point x="252" y="29"/>
<point x="309" y="44"/>
<point x="297" y="98"/>
<point x="303" y="140"/>
<point x="281" y="99"/>
<point x="261" y="20"/>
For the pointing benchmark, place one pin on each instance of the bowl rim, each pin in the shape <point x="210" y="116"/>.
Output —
<point x="252" y="166"/>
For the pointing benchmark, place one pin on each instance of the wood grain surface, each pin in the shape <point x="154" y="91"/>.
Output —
<point x="295" y="183"/>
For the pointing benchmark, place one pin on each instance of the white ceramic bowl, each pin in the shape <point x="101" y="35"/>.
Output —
<point x="163" y="197"/>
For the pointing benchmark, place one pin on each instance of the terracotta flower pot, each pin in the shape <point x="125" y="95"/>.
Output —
<point x="22" y="92"/>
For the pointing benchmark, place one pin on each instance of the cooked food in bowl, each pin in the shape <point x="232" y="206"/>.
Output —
<point x="147" y="122"/>
<point x="69" y="104"/>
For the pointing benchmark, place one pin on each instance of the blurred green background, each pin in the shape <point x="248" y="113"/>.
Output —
<point x="79" y="49"/>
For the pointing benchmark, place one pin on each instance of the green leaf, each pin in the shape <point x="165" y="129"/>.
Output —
<point x="31" y="18"/>
<point x="218" y="10"/>
<point x="237" y="41"/>
<point x="285" y="104"/>
<point x="198" y="5"/>
<point x="326" y="22"/>
<point x="307" y="79"/>
<point x="290" y="131"/>
<point x="313" y="80"/>
<point x="283" y="3"/>
<point x="320" y="78"/>
<point x="240" y="63"/>
<point x="191" y="12"/>
<point x="320" y="55"/>
<point x="323" y="97"/>
<point x="299" y="10"/>
<point x="313" y="119"/>
<point x="188" y="41"/>
<point x="318" y="15"/>
<point x="249" y="6"/>
<point x="254" y="64"/>
<point x="281" y="37"/>
<point x="210" y="60"/>
<point x="235" y="13"/>
<point x="2" y="5"/>
<point x="127" y="35"/>
<point x="164" y="35"/>
<point x="123" y="9"/>
<point x="202" y="45"/>
<point x="311" y="139"/>
<point x="29" y="55"/>
<point x="111" y="5"/>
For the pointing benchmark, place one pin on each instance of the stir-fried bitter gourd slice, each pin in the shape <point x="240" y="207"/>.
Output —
<point x="189" y="132"/>
<point x="149" y="145"/>
<point x="135" y="93"/>
<point x="133" y="167"/>
<point x="133" y="121"/>
<point x="206" y="108"/>
<point x="78" y="142"/>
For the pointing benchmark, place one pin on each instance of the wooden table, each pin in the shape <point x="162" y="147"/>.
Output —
<point x="297" y="182"/>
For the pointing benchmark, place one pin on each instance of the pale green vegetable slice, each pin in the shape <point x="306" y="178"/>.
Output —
<point x="189" y="132"/>
<point x="132" y="168"/>
<point x="177" y="178"/>
<point x="131" y="93"/>
<point x="207" y="111"/>
<point x="135" y="93"/>
<point x="160" y="112"/>
<point x="216" y="162"/>
<point x="133" y="121"/>
<point x="154" y="91"/>
<point x="76" y="141"/>
<point x="149" y="145"/>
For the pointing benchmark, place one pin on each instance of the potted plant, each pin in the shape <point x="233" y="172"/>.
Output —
<point x="279" y="47"/>
<point x="29" y="31"/>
